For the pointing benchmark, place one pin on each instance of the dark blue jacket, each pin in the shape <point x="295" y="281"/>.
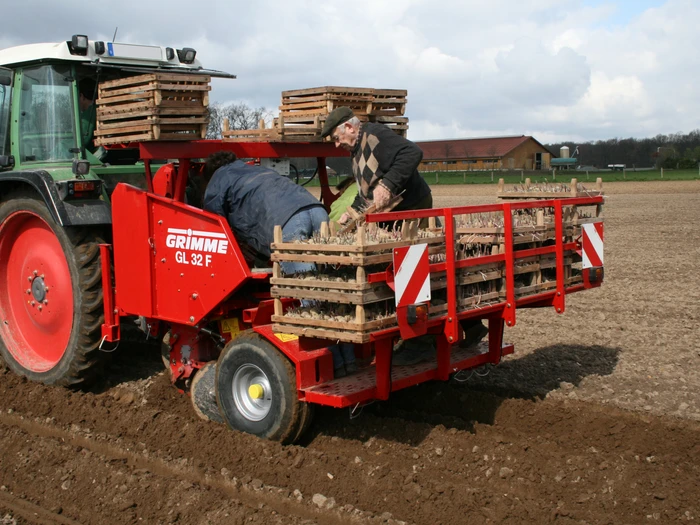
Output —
<point x="254" y="200"/>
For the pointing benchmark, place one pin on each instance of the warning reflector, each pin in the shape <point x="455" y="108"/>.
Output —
<point x="592" y="245"/>
<point x="412" y="275"/>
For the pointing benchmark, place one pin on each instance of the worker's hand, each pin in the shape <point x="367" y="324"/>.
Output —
<point x="381" y="196"/>
<point x="345" y="217"/>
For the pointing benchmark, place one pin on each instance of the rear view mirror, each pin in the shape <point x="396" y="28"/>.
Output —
<point x="5" y="77"/>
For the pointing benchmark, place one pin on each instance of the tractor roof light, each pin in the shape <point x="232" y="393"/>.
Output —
<point x="169" y="53"/>
<point x="79" y="45"/>
<point x="100" y="47"/>
<point x="186" y="55"/>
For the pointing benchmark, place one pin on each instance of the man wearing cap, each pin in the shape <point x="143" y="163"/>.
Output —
<point x="384" y="164"/>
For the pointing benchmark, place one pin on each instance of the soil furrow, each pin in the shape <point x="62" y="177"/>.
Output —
<point x="545" y="437"/>
<point x="30" y="512"/>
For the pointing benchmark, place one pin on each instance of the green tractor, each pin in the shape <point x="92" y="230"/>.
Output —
<point x="54" y="199"/>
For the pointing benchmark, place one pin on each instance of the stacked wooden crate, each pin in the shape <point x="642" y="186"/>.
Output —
<point x="342" y="304"/>
<point x="304" y="111"/>
<point x="154" y="106"/>
<point x="538" y="274"/>
<point x="388" y="107"/>
<point x="345" y="306"/>
<point x="529" y="231"/>
<point x="338" y="301"/>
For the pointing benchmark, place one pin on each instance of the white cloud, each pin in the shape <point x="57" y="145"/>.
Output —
<point x="551" y="68"/>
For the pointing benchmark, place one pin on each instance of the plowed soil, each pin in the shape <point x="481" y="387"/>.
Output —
<point x="594" y="419"/>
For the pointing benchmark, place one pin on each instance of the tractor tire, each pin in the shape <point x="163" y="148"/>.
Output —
<point x="51" y="304"/>
<point x="203" y="394"/>
<point x="271" y="408"/>
<point x="307" y="417"/>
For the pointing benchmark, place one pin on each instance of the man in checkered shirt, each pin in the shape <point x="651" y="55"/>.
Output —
<point x="384" y="164"/>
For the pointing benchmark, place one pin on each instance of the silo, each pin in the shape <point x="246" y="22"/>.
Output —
<point x="564" y="152"/>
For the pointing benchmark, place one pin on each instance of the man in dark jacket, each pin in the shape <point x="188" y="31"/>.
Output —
<point x="255" y="199"/>
<point x="384" y="164"/>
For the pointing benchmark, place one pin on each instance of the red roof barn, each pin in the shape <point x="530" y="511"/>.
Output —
<point x="521" y="152"/>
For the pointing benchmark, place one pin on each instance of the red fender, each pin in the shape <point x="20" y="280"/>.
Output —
<point x="164" y="180"/>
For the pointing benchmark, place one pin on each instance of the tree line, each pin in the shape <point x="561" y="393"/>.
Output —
<point x="675" y="151"/>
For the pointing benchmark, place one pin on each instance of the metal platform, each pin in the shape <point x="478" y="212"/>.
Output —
<point x="361" y="386"/>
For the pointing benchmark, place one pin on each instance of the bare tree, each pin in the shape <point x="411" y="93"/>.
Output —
<point x="492" y="152"/>
<point x="448" y="154"/>
<point x="240" y="116"/>
<point x="466" y="155"/>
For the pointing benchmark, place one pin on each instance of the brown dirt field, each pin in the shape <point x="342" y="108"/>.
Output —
<point x="594" y="419"/>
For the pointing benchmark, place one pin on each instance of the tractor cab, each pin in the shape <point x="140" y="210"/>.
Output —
<point x="48" y="111"/>
<point x="6" y="160"/>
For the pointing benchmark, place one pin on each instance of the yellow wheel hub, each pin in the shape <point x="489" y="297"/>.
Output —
<point x="256" y="391"/>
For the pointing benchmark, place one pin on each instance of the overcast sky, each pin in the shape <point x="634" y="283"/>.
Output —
<point x="574" y="70"/>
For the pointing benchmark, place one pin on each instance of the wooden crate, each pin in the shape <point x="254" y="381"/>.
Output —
<point x="323" y="100"/>
<point x="529" y="191"/>
<point x="351" y="307"/>
<point x="155" y="106"/>
<point x="388" y="102"/>
<point x="262" y="134"/>
<point x="304" y="111"/>
<point x="358" y="300"/>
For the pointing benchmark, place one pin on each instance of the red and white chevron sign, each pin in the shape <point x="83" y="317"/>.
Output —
<point x="592" y="245"/>
<point x="412" y="275"/>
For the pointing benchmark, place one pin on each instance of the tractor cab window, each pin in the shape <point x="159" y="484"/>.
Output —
<point x="47" y="115"/>
<point x="5" y="95"/>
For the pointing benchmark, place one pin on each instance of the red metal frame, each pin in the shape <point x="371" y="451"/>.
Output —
<point x="135" y="223"/>
<point x="195" y="150"/>
<point x="380" y="382"/>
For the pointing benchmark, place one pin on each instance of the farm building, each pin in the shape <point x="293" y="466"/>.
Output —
<point x="519" y="152"/>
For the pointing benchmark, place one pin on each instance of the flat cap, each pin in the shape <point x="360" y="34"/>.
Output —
<point x="336" y="118"/>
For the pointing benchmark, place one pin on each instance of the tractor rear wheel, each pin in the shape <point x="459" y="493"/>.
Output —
<point x="256" y="390"/>
<point x="51" y="309"/>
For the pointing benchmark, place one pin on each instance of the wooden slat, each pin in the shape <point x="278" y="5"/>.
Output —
<point x="147" y="112"/>
<point x="151" y="77"/>
<point x="323" y="90"/>
<point x="394" y="120"/>
<point x="322" y="323"/>
<point x="393" y="93"/>
<point x="353" y="260"/>
<point x="149" y="120"/>
<point x="353" y="248"/>
<point x="125" y="130"/>
<point x="126" y="108"/>
<point x="123" y="139"/>
<point x="317" y="283"/>
<point x="107" y="94"/>
<point x="182" y="87"/>
<point x="331" y="335"/>
<point x="335" y="296"/>
<point x="113" y="101"/>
